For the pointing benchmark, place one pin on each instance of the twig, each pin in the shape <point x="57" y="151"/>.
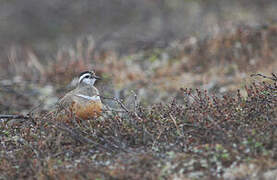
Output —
<point x="274" y="77"/>
<point x="81" y="138"/>
<point x="118" y="101"/>
<point x="109" y="109"/>
<point x="122" y="106"/>
<point x="9" y="116"/>
<point x="175" y="123"/>
<point x="135" y="102"/>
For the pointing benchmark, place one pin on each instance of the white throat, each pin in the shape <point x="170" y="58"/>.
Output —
<point x="86" y="78"/>
<point x="89" y="81"/>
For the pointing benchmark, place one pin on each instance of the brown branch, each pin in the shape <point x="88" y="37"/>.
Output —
<point x="118" y="101"/>
<point x="121" y="105"/>
<point x="9" y="116"/>
<point x="273" y="78"/>
<point x="81" y="138"/>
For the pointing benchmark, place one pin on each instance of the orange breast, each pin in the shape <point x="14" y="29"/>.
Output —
<point x="88" y="110"/>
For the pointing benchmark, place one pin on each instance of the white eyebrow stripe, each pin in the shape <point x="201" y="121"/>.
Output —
<point x="93" y="98"/>
<point x="84" y="75"/>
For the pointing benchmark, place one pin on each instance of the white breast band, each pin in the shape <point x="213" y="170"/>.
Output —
<point x="92" y="98"/>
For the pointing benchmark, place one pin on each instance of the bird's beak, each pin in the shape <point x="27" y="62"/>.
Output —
<point x="97" y="77"/>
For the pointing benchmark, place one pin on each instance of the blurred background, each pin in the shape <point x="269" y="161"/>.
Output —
<point x="48" y="25"/>
<point x="148" y="47"/>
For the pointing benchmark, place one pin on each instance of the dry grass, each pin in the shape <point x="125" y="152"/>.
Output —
<point x="200" y="132"/>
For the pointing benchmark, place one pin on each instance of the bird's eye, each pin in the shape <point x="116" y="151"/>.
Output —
<point x="87" y="76"/>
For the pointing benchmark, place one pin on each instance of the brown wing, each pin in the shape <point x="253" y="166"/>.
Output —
<point x="81" y="107"/>
<point x="67" y="100"/>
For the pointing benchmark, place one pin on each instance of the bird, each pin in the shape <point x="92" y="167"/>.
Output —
<point x="83" y="102"/>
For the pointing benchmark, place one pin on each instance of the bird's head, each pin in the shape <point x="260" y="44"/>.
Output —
<point x="88" y="78"/>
